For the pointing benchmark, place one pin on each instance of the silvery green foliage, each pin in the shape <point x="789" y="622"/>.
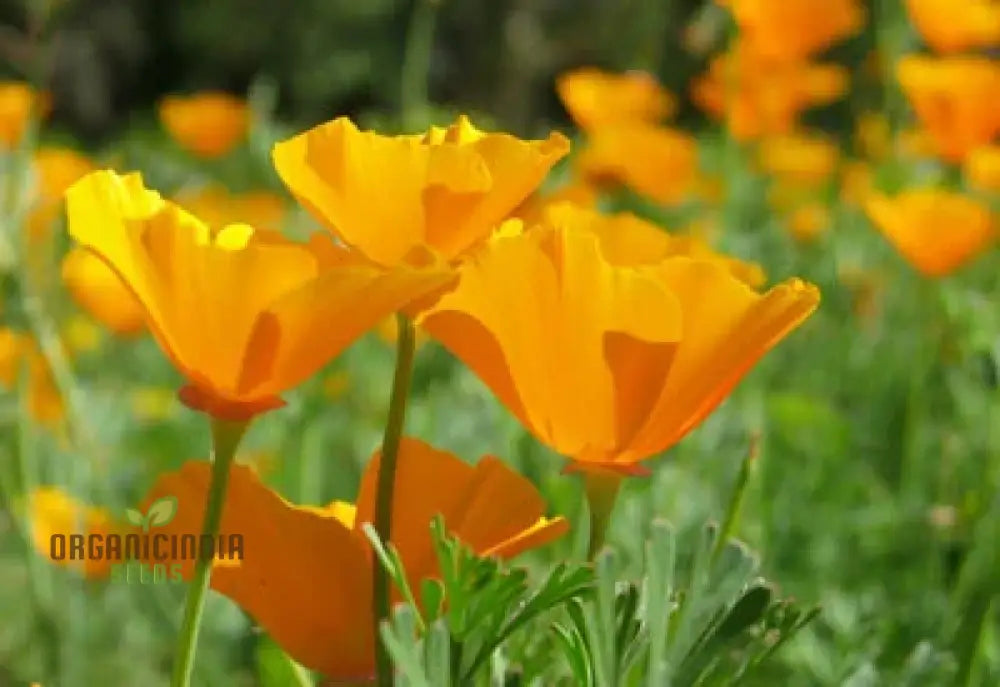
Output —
<point x="700" y="615"/>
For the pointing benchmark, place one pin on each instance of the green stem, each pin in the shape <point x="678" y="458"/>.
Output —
<point x="601" y="489"/>
<point x="385" y="487"/>
<point x="226" y="437"/>
<point x="417" y="63"/>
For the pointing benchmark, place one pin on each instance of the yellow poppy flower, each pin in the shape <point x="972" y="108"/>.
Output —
<point x="608" y="365"/>
<point x="16" y="102"/>
<point x="217" y="207"/>
<point x="208" y="124"/>
<point x="17" y="350"/>
<point x="948" y="26"/>
<point x="956" y="99"/>
<point x="801" y="159"/>
<point x="653" y="161"/>
<point x="595" y="98"/>
<point x="315" y="601"/>
<point x="51" y="511"/>
<point x="243" y="314"/>
<point x="755" y="98"/>
<point x="97" y="289"/>
<point x="394" y="198"/>
<point x="982" y="169"/>
<point x="792" y="30"/>
<point x="936" y="231"/>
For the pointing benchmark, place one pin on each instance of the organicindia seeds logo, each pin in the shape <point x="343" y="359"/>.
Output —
<point x="146" y="557"/>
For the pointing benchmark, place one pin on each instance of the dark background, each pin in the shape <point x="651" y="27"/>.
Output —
<point x="105" y="60"/>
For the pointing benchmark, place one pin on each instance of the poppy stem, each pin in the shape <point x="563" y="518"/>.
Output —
<point x="601" y="488"/>
<point x="386" y="485"/>
<point x="226" y="437"/>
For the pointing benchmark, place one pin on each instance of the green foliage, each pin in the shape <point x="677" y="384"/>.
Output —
<point x="693" y="619"/>
<point x="467" y="615"/>
<point x="690" y="621"/>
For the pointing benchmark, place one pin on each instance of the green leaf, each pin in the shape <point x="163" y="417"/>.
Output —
<point x="135" y="517"/>
<point x="400" y="638"/>
<point x="661" y="560"/>
<point x="161" y="511"/>
<point x="432" y="595"/>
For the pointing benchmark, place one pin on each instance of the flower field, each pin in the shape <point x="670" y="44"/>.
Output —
<point x="693" y="382"/>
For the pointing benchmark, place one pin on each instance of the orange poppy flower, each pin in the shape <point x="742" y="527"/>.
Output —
<point x="957" y="99"/>
<point x="873" y="135"/>
<point x="948" y="26"/>
<point x="856" y="182"/>
<point x="208" y="124"/>
<point x="982" y="169"/>
<point x="45" y="405"/>
<point x="800" y="159"/>
<point x="98" y="290"/>
<point x="808" y="221"/>
<point x="55" y="170"/>
<point x="936" y="231"/>
<point x="628" y="240"/>
<point x="578" y="191"/>
<point x="792" y="30"/>
<point x="51" y="511"/>
<point x="315" y="600"/>
<point x="243" y="314"/>
<point x="608" y="365"/>
<point x="217" y="207"/>
<point x="16" y="102"/>
<point x="392" y="198"/>
<point x="915" y="142"/>
<point x="653" y="161"/>
<point x="595" y="98"/>
<point x="756" y="98"/>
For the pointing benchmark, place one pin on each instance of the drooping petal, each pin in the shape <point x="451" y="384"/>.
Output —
<point x="489" y="507"/>
<point x="304" y="576"/>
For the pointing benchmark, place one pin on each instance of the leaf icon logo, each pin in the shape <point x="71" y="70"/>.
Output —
<point x="160" y="513"/>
